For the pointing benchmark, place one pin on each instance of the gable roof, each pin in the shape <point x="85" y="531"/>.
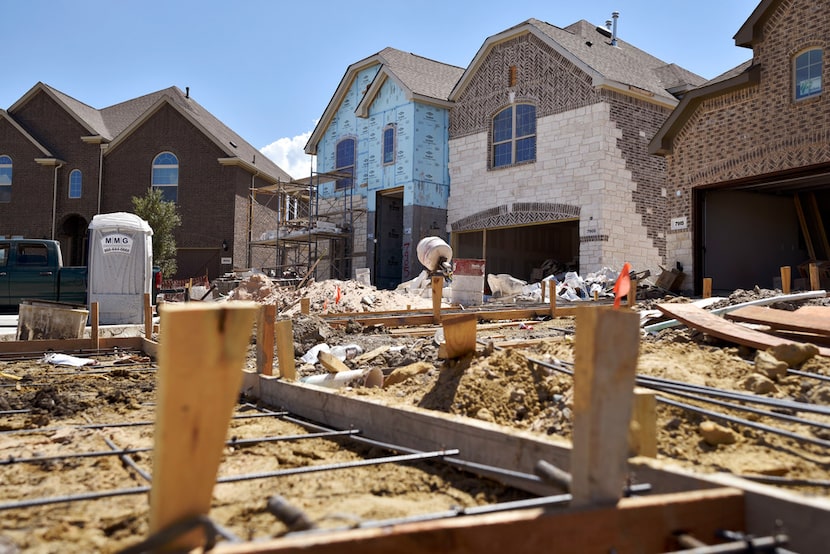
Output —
<point x="422" y="80"/>
<point x="114" y="123"/>
<point x="5" y="116"/>
<point x="750" y="31"/>
<point x="622" y="67"/>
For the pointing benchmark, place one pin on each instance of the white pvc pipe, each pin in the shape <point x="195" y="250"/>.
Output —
<point x="653" y="328"/>
<point x="370" y="378"/>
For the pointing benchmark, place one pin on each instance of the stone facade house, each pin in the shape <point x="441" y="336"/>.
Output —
<point x="748" y="156"/>
<point x="62" y="162"/>
<point x="548" y="141"/>
<point x="384" y="137"/>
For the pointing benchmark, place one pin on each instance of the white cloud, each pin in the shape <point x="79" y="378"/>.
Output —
<point x="289" y="155"/>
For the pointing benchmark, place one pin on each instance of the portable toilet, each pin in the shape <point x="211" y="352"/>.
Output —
<point x="120" y="268"/>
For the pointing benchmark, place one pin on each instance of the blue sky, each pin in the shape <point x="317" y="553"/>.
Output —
<point x="267" y="68"/>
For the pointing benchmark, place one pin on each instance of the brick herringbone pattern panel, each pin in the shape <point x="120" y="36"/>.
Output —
<point x="522" y="213"/>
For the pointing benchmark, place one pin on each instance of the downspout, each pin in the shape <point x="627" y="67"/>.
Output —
<point x="100" y="176"/>
<point x="251" y="216"/>
<point x="55" y="198"/>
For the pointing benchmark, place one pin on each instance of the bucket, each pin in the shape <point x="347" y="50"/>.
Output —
<point x="468" y="282"/>
<point x="43" y="320"/>
<point x="432" y="251"/>
<point x="362" y="276"/>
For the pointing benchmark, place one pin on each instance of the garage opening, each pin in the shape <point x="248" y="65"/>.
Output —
<point x="523" y="251"/>
<point x="747" y="233"/>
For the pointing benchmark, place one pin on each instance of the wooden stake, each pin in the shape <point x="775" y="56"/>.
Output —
<point x="285" y="349"/>
<point x="607" y="343"/>
<point x="815" y="281"/>
<point x="148" y="317"/>
<point x="459" y="335"/>
<point x="201" y="354"/>
<point x="632" y="294"/>
<point x="543" y="289"/>
<point x="785" y="279"/>
<point x="93" y="321"/>
<point x="437" y="290"/>
<point x="305" y="305"/>
<point x="266" y="317"/>
<point x="552" y="286"/>
<point x="707" y="287"/>
<point x="644" y="423"/>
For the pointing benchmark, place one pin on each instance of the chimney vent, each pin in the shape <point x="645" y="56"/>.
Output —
<point x="614" y="16"/>
<point x="187" y="92"/>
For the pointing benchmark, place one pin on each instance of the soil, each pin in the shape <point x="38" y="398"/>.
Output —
<point x="500" y="385"/>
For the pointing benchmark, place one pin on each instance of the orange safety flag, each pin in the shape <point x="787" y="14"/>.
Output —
<point x="337" y="295"/>
<point x="623" y="284"/>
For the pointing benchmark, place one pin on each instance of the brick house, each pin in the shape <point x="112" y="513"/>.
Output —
<point x="386" y="125"/>
<point x="62" y="162"/>
<point x="748" y="155"/>
<point x="548" y="151"/>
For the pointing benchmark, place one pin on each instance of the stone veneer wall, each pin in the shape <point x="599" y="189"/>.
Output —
<point x="578" y="164"/>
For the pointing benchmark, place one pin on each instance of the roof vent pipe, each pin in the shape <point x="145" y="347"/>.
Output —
<point x="187" y="92"/>
<point x="608" y="24"/>
<point x="614" y="16"/>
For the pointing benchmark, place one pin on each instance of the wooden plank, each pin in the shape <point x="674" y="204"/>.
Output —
<point x="605" y="365"/>
<point x="68" y="345"/>
<point x="811" y="197"/>
<point x="644" y="422"/>
<point x="811" y="251"/>
<point x="645" y="524"/>
<point x="798" y="320"/>
<point x="201" y="356"/>
<point x="265" y="339"/>
<point x="285" y="349"/>
<point x="721" y="328"/>
<point x="148" y="316"/>
<point x="437" y="289"/>
<point x="331" y="363"/>
<point x="786" y="279"/>
<point x="94" y="319"/>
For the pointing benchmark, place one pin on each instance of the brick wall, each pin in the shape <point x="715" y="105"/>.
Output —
<point x="757" y="131"/>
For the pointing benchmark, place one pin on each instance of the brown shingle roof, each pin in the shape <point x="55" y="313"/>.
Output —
<point x="112" y="121"/>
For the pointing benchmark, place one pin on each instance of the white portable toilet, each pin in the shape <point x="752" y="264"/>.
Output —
<point x="120" y="268"/>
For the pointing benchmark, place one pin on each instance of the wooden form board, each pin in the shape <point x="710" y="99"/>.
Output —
<point x="414" y="318"/>
<point x="645" y="524"/>
<point x="805" y="320"/>
<point x="68" y="345"/>
<point x="491" y="444"/>
<point x="721" y="328"/>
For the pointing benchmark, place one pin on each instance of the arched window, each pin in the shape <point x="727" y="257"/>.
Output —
<point x="75" y="183"/>
<point x="389" y="144"/>
<point x="807" y="73"/>
<point x="514" y="135"/>
<point x="166" y="176"/>
<point x="5" y="179"/>
<point x="344" y="162"/>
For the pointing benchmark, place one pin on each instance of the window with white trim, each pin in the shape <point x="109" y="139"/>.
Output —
<point x="514" y="135"/>
<point x="808" y="67"/>
<point x="75" y="183"/>
<point x="166" y="176"/>
<point x="5" y="179"/>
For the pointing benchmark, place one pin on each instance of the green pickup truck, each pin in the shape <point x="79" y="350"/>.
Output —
<point x="33" y="269"/>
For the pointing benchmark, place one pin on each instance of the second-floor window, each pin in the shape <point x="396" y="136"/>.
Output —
<point x="344" y="162"/>
<point x="514" y="135"/>
<point x="75" y="183"/>
<point x="166" y="176"/>
<point x="5" y="179"/>
<point x="808" y="74"/>
<point x="389" y="144"/>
